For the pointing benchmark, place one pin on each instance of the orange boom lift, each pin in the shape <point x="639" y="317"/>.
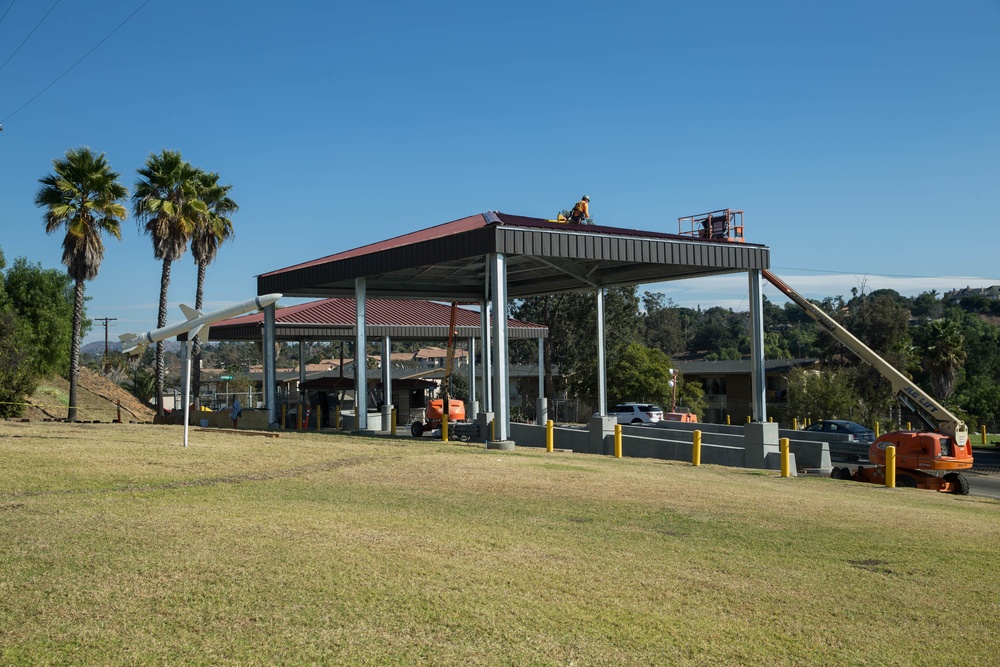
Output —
<point x="928" y="459"/>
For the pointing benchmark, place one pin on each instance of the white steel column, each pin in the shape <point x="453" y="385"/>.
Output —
<point x="387" y="370"/>
<point x="270" y="369"/>
<point x="541" y="368"/>
<point x="472" y="374"/>
<point x="487" y="365"/>
<point x="501" y="382"/>
<point x="758" y="388"/>
<point x="360" y="359"/>
<point x="602" y="376"/>
<point x="302" y="378"/>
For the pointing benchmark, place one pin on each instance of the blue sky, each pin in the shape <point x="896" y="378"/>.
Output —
<point x="860" y="138"/>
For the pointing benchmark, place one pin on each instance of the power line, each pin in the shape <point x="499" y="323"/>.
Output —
<point x="29" y="34"/>
<point x="71" y="67"/>
<point x="8" y="10"/>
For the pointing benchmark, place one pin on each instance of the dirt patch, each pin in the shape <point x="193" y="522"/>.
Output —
<point x="97" y="399"/>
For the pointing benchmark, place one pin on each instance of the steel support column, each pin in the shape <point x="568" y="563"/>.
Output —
<point x="758" y="387"/>
<point x="387" y="370"/>
<point x="487" y="365"/>
<point x="360" y="359"/>
<point x="501" y="381"/>
<point x="270" y="369"/>
<point x="602" y="375"/>
<point x="472" y="375"/>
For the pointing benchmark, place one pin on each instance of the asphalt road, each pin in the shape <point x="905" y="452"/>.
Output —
<point x="981" y="484"/>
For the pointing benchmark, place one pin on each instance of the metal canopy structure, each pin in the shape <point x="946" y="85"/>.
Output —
<point x="447" y="262"/>
<point x="492" y="257"/>
<point x="330" y="319"/>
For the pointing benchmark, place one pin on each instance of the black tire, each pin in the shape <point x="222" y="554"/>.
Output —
<point x="417" y="429"/>
<point x="637" y="421"/>
<point x="843" y="473"/>
<point x="959" y="483"/>
<point x="904" y="481"/>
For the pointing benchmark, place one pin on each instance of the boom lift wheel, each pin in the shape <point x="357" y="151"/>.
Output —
<point x="959" y="483"/>
<point x="905" y="481"/>
<point x="417" y="429"/>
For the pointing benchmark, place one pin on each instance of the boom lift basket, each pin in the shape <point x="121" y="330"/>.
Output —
<point x="722" y="225"/>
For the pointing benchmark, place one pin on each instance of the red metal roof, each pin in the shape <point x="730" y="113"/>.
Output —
<point x="378" y="312"/>
<point x="429" y="234"/>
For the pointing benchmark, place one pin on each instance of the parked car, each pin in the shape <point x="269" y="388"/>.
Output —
<point x="636" y="413"/>
<point x="857" y="432"/>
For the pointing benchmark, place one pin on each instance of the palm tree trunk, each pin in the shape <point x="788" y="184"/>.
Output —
<point x="196" y="343"/>
<point x="161" y="321"/>
<point x="74" y="350"/>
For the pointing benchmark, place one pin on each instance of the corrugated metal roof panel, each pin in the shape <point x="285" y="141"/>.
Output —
<point x="335" y="317"/>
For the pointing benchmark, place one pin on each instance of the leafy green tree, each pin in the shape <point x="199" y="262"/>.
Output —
<point x="640" y="373"/>
<point x="572" y="321"/>
<point x="166" y="204"/>
<point x="213" y="228"/>
<point x="883" y="325"/>
<point x="718" y="328"/>
<point x="84" y="198"/>
<point x="666" y="326"/>
<point x="16" y="377"/>
<point x="44" y="302"/>
<point x="821" y="395"/>
<point x="928" y="304"/>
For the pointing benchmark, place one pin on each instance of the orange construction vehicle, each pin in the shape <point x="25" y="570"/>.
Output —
<point x="927" y="459"/>
<point x="436" y="408"/>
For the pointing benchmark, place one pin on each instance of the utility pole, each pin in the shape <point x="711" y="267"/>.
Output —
<point x="107" y="321"/>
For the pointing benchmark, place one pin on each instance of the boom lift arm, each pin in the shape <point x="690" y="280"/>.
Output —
<point x="935" y="415"/>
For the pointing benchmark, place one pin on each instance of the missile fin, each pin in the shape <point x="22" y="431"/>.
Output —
<point x="189" y="312"/>
<point x="130" y="344"/>
<point x="201" y="331"/>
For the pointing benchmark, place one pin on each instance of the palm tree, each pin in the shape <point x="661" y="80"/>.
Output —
<point x="167" y="206"/>
<point x="944" y="354"/>
<point x="213" y="229"/>
<point x="82" y="195"/>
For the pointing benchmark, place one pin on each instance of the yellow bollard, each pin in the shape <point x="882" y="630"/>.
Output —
<point x="339" y="425"/>
<point x="549" y="435"/>
<point x="783" y="446"/>
<point x="727" y="420"/>
<point x="444" y="428"/>
<point x="392" y="422"/>
<point x="908" y="428"/>
<point x="795" y="423"/>
<point x="748" y="419"/>
<point x="890" y="467"/>
<point x="618" y="441"/>
<point x="983" y="430"/>
<point x="493" y="430"/>
<point x="696" y="449"/>
<point x="876" y="429"/>
<point x="770" y="419"/>
<point x="319" y="418"/>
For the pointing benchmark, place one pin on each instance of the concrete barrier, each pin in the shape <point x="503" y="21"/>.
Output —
<point x="721" y="444"/>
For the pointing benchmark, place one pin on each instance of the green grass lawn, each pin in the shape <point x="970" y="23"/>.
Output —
<point x="118" y="546"/>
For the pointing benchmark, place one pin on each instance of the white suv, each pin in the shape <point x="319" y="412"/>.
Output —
<point x="636" y="413"/>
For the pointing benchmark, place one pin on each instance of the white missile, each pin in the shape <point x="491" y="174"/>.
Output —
<point x="197" y="322"/>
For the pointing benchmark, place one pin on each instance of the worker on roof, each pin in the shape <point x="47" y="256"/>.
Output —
<point x="581" y="211"/>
